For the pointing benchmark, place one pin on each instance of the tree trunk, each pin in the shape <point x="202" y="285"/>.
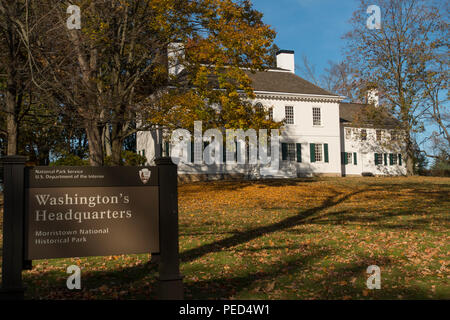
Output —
<point x="117" y="139"/>
<point x="107" y="140"/>
<point x="94" y="134"/>
<point x="410" y="157"/>
<point x="43" y="156"/>
<point x="13" y="97"/>
<point x="13" y="103"/>
<point x="116" y="156"/>
<point x="11" y="129"/>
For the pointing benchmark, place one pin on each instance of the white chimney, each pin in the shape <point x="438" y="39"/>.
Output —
<point x="175" y="53"/>
<point x="285" y="60"/>
<point x="372" y="97"/>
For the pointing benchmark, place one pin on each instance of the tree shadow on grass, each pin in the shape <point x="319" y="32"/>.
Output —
<point x="227" y="285"/>
<point x="423" y="190"/>
<point x="249" y="235"/>
<point x="381" y="221"/>
<point x="135" y="282"/>
<point x="233" y="185"/>
<point x="346" y="281"/>
<point x="349" y="281"/>
<point x="224" y="286"/>
<point x="123" y="277"/>
<point x="385" y="217"/>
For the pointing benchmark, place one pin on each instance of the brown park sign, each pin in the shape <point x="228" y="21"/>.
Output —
<point x="89" y="211"/>
<point x="59" y="212"/>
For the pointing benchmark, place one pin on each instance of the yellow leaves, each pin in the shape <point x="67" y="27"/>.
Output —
<point x="233" y="94"/>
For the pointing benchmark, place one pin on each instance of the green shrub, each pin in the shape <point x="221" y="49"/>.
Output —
<point x="441" y="169"/>
<point x="129" y="158"/>
<point x="133" y="159"/>
<point x="441" y="165"/>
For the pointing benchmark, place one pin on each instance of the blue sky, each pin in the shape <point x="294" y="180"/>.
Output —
<point x="310" y="27"/>
<point x="313" y="28"/>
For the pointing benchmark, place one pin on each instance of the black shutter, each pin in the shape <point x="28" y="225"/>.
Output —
<point x="167" y="151"/>
<point x="283" y="151"/>
<point x="224" y="153"/>
<point x="312" y="152"/>
<point x="238" y="150"/>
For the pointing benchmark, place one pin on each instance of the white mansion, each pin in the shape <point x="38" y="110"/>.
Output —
<point x="319" y="136"/>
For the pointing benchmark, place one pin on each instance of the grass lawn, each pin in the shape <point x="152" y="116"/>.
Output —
<point x="286" y="239"/>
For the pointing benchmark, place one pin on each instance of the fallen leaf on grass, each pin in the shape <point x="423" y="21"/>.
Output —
<point x="270" y="286"/>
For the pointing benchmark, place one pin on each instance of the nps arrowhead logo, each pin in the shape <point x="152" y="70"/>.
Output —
<point x="144" y="174"/>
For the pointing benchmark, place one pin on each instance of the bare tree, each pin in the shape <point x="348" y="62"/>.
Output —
<point x="308" y="71"/>
<point x="337" y="78"/>
<point x="436" y="97"/>
<point x="342" y="79"/>
<point x="395" y="57"/>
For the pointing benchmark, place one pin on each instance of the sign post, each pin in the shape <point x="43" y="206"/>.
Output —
<point x="13" y="227"/>
<point x="170" y="280"/>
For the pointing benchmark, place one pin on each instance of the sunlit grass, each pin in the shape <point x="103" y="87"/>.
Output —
<point x="286" y="239"/>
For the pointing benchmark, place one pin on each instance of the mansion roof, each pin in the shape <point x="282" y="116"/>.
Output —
<point x="359" y="114"/>
<point x="281" y="81"/>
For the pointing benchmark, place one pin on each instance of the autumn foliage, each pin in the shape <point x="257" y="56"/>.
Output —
<point x="286" y="239"/>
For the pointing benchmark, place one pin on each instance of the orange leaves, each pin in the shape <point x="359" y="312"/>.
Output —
<point x="286" y="239"/>
<point x="270" y="286"/>
<point x="361" y="223"/>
